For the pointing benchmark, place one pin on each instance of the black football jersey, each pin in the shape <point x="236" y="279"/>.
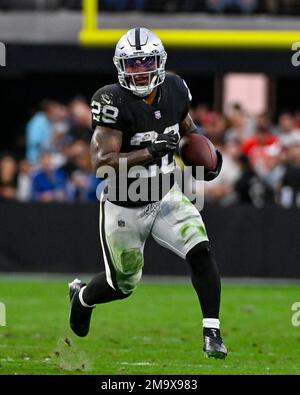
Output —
<point x="140" y="123"/>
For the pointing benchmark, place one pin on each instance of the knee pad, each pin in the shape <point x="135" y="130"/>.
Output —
<point x="131" y="261"/>
<point x="127" y="284"/>
<point x="200" y="256"/>
<point x="200" y="249"/>
<point x="130" y="270"/>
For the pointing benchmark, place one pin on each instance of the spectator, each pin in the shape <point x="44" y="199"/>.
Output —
<point x="287" y="129"/>
<point x="8" y="177"/>
<point x="241" y="6"/>
<point x="242" y="125"/>
<point x="24" y="181"/>
<point x="254" y="146"/>
<point x="263" y="120"/>
<point x="83" y="182"/>
<point x="274" y="168"/>
<point x="297" y="119"/>
<point x="199" y="114"/>
<point x="48" y="184"/>
<point x="249" y="188"/>
<point x="221" y="189"/>
<point x="125" y="5"/>
<point x="70" y="150"/>
<point x="60" y="128"/>
<point x="82" y="187"/>
<point x="214" y="127"/>
<point x="290" y="191"/>
<point x="272" y="6"/>
<point x="40" y="130"/>
<point x="81" y="120"/>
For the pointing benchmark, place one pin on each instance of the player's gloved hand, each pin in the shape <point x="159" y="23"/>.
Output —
<point x="163" y="144"/>
<point x="209" y="174"/>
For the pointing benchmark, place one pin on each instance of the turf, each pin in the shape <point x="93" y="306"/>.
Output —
<point x="155" y="331"/>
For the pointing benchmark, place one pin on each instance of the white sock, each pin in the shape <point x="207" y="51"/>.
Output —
<point x="211" y="323"/>
<point x="81" y="298"/>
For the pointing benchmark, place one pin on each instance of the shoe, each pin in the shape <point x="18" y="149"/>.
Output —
<point x="213" y="345"/>
<point x="80" y="316"/>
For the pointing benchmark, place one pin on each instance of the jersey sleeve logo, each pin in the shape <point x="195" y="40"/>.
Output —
<point x="105" y="99"/>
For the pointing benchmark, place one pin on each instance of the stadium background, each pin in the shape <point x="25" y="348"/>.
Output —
<point x="245" y="99"/>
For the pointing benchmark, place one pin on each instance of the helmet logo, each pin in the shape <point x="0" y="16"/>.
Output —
<point x="106" y="99"/>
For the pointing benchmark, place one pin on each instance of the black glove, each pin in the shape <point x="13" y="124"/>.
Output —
<point x="163" y="144"/>
<point x="209" y="174"/>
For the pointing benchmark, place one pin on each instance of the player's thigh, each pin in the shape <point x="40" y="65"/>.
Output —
<point x="122" y="245"/>
<point x="178" y="225"/>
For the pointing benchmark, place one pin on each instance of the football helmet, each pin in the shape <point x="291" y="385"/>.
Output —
<point x="140" y="59"/>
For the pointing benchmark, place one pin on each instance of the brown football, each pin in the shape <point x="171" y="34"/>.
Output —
<point x="197" y="150"/>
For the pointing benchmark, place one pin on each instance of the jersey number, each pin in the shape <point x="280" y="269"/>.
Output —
<point x="167" y="162"/>
<point x="144" y="137"/>
<point x="107" y="113"/>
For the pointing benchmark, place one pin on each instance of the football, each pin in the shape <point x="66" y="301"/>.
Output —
<point x="198" y="150"/>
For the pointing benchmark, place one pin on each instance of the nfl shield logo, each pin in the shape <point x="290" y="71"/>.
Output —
<point x="157" y="114"/>
<point x="121" y="223"/>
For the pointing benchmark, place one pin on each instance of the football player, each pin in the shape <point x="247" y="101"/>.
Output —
<point x="140" y="119"/>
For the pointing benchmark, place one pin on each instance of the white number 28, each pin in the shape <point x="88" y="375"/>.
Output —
<point x="107" y="112"/>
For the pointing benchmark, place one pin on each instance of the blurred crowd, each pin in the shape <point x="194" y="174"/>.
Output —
<point x="288" y="7"/>
<point x="57" y="164"/>
<point x="261" y="161"/>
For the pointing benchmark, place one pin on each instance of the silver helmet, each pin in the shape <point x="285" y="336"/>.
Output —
<point x="140" y="59"/>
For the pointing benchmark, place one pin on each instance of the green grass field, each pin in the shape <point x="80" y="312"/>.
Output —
<point x="155" y="331"/>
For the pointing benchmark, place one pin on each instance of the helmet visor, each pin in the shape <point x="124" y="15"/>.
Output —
<point x="140" y="64"/>
<point x="140" y="70"/>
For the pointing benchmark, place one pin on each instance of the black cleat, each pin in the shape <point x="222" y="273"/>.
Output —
<point x="213" y="346"/>
<point x="80" y="316"/>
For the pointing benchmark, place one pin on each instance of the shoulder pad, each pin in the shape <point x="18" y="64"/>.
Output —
<point x="179" y="84"/>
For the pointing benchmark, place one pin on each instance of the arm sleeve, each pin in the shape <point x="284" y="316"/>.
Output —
<point x="106" y="109"/>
